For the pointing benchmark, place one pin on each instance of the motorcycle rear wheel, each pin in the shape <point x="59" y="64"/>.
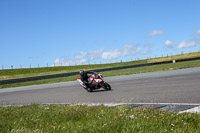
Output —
<point x="106" y="86"/>
<point x="89" y="90"/>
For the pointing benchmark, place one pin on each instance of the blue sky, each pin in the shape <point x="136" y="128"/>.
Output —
<point x="69" y="32"/>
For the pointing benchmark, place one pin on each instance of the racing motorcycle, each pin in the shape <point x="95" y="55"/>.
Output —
<point x="96" y="81"/>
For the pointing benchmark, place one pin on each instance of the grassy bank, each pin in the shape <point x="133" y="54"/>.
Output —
<point x="29" y="72"/>
<point x="175" y="57"/>
<point x="162" y="67"/>
<point x="55" y="118"/>
<point x="19" y="73"/>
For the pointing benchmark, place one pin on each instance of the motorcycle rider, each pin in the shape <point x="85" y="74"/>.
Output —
<point x="84" y="78"/>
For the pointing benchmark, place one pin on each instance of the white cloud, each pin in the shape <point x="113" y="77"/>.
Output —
<point x="126" y="50"/>
<point x="156" y="32"/>
<point x="57" y="61"/>
<point x="82" y="61"/>
<point x="79" y="58"/>
<point x="92" y="55"/>
<point x="80" y="55"/>
<point x="183" y="44"/>
<point x="186" y="44"/>
<point x="84" y="57"/>
<point x="67" y="61"/>
<point x="196" y="32"/>
<point x="168" y="43"/>
<point x="130" y="50"/>
<point x="111" y="54"/>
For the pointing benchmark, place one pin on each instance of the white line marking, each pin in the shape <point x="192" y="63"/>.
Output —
<point x="116" y="104"/>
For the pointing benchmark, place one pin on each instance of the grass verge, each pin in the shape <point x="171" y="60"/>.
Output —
<point x="162" y="67"/>
<point x="56" y="118"/>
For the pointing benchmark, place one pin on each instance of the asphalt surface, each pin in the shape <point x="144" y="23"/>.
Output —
<point x="176" y="86"/>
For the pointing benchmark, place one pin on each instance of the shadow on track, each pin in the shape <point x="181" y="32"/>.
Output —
<point x="101" y="90"/>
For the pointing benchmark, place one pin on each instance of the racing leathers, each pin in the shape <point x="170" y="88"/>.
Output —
<point x="84" y="77"/>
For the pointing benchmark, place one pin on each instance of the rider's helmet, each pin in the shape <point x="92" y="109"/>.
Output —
<point x="96" y="75"/>
<point x="81" y="72"/>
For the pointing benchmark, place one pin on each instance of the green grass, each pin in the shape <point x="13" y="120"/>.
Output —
<point x="29" y="72"/>
<point x="44" y="81"/>
<point x="162" y="67"/>
<point x="81" y="119"/>
<point x="154" y="68"/>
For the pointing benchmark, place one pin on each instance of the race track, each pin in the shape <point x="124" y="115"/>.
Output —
<point x="176" y="86"/>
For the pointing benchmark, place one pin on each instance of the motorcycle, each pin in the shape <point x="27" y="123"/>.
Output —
<point x="96" y="82"/>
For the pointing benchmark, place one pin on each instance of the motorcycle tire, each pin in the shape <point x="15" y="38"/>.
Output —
<point x="89" y="90"/>
<point x="107" y="86"/>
